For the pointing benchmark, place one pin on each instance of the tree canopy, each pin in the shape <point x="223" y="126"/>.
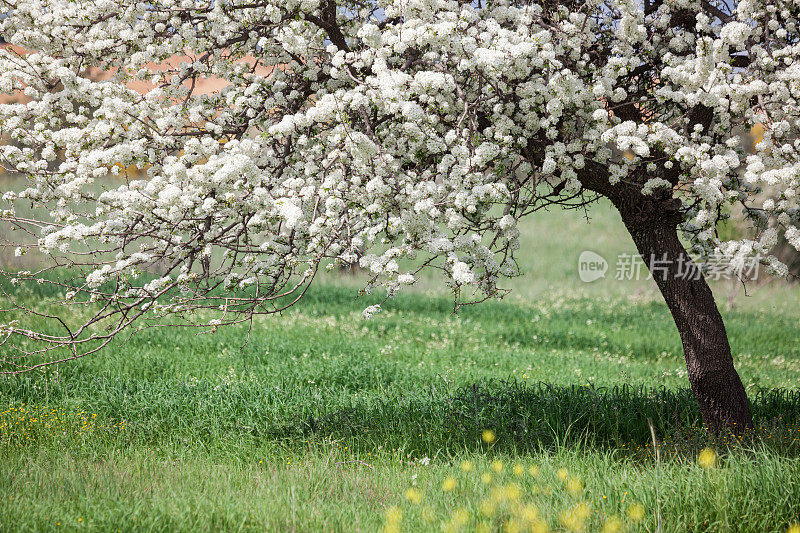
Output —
<point x="378" y="132"/>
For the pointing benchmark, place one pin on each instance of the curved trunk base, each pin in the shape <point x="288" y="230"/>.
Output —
<point x="723" y="401"/>
<point x="715" y="383"/>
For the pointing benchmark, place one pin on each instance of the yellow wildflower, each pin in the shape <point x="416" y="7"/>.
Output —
<point x="574" y="486"/>
<point x="530" y="513"/>
<point x="707" y="458"/>
<point x="393" y="517"/>
<point x="538" y="526"/>
<point x="460" y="517"/>
<point x="413" y="495"/>
<point x="635" y="512"/>
<point x="393" y="514"/>
<point x="612" y="525"/>
<point x="574" y="519"/>
<point x="512" y="491"/>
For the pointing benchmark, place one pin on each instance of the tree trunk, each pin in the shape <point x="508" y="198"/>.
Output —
<point x="715" y="383"/>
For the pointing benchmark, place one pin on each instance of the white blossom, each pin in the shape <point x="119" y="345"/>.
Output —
<point x="425" y="132"/>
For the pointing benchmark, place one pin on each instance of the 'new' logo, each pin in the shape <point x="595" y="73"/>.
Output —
<point x="591" y="266"/>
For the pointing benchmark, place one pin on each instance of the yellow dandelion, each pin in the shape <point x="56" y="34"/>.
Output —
<point x="413" y="495"/>
<point x="582" y="510"/>
<point x="393" y="518"/>
<point x="612" y="525"/>
<point x="635" y="512"/>
<point x="512" y="526"/>
<point x="466" y="466"/>
<point x="519" y="470"/>
<point x="534" y="471"/>
<point x="449" y="484"/>
<point x="393" y="514"/>
<point x="497" y="466"/>
<point x="486" y="477"/>
<point x="707" y="458"/>
<point x="530" y="513"/>
<point x="460" y="517"/>
<point x="574" y="486"/>
<point x="794" y="528"/>
<point x="512" y="491"/>
<point x="562" y="474"/>
<point x="574" y="519"/>
<point x="488" y="436"/>
<point x="538" y="526"/>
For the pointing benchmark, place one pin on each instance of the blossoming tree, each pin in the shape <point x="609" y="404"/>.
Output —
<point x="386" y="130"/>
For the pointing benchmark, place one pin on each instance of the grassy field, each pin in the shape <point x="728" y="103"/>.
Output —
<point x="529" y="413"/>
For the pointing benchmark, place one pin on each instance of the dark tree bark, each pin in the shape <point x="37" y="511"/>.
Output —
<point x="653" y="223"/>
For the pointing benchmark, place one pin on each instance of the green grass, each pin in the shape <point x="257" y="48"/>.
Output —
<point x="323" y="421"/>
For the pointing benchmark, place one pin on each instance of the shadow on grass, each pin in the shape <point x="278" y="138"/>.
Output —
<point x="241" y="417"/>
<point x="531" y="417"/>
